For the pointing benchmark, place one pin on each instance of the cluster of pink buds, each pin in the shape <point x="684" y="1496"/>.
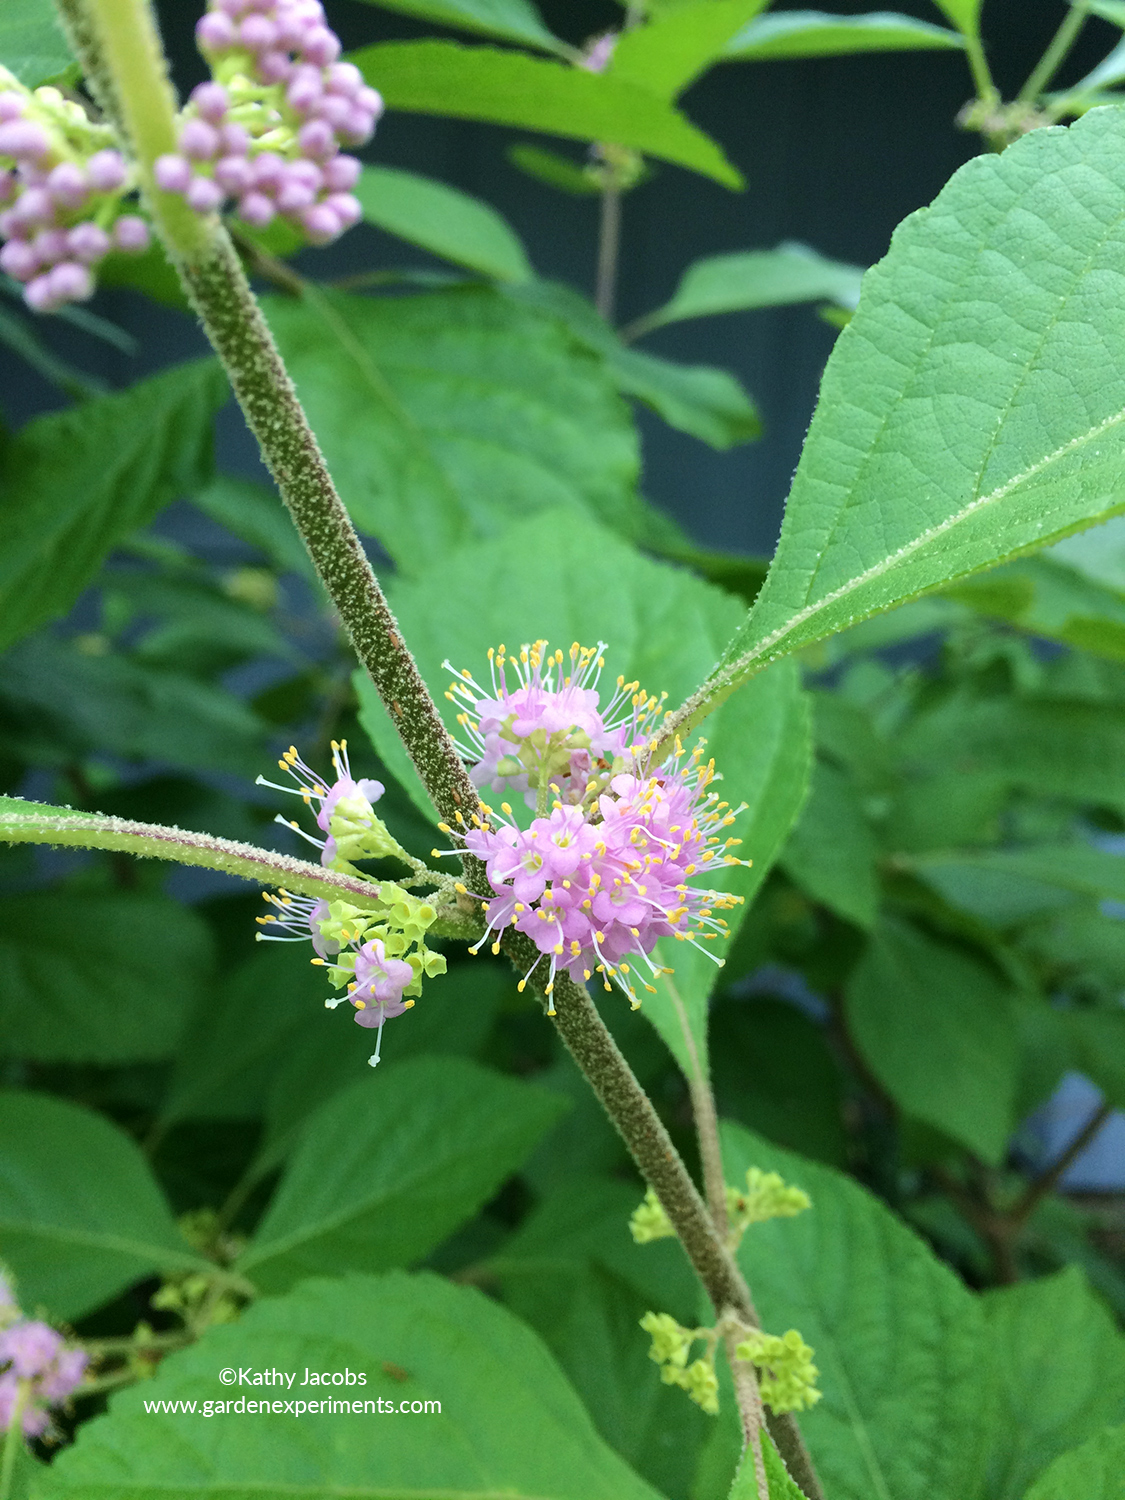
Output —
<point x="266" y="132"/>
<point x="596" y="880"/>
<point x="37" y="1369"/>
<point x="61" y="190"/>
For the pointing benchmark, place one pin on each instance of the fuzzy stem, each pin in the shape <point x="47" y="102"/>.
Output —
<point x="750" y="1410"/>
<point x="13" y="1440"/>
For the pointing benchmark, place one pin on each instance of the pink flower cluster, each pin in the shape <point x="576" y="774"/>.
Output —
<point x="597" y="881"/>
<point x="547" y="731"/>
<point x="267" y="130"/>
<point x="36" y="1357"/>
<point x="61" y="205"/>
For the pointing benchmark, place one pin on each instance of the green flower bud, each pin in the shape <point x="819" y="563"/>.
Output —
<point x="786" y="1373"/>
<point x="670" y="1341"/>
<point x="766" y="1196"/>
<point x="649" y="1221"/>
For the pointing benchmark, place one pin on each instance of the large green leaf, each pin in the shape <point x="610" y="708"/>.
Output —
<point x="755" y="278"/>
<point x="974" y="407"/>
<point x="32" y="44"/>
<point x="81" y="1216"/>
<point x="1059" y="1367"/>
<point x="831" y="851"/>
<point x="1004" y="885"/>
<point x="570" y="581"/>
<point x="1045" y="596"/>
<point x="514" y="20"/>
<point x="897" y="1338"/>
<point x="98" y="979"/>
<point x="452" y="224"/>
<point x="1098" y="1037"/>
<point x="508" y="1425"/>
<point x="963" y="1080"/>
<point x="73" y="483"/>
<point x="1096" y="1471"/>
<point x="814" y="33"/>
<point x="510" y="88"/>
<point x="678" y="44"/>
<point x="445" y="415"/>
<point x="388" y="1167"/>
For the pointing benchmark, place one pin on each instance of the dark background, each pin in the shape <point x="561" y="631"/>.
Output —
<point x="835" y="152"/>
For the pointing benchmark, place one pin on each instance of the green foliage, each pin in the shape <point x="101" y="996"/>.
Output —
<point x="391" y="1165"/>
<point x="449" y="414"/>
<point x="81" y="1216"/>
<point x="513" y="20"/>
<point x="676" y="45"/>
<point x="831" y="852"/>
<point x="781" y="1485"/>
<point x="1059" y="1367"/>
<point x="442" y="219"/>
<point x="510" y="88"/>
<point x="813" y="33"/>
<point x="964" y="1081"/>
<point x="102" y="979"/>
<point x="76" y="482"/>
<point x="962" y="414"/>
<point x="898" y="1340"/>
<point x="509" y="1424"/>
<point x="1095" y="1471"/>
<point x="31" y="41"/>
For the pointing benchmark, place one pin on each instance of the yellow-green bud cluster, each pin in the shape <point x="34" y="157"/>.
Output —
<point x="786" y="1373"/>
<point x="766" y="1196"/>
<point x="648" y="1221"/>
<point x="671" y="1345"/>
<point x="400" y="922"/>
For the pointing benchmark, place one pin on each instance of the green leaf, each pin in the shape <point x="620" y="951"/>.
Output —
<point x="1060" y="1375"/>
<point x="831" y="851"/>
<point x="98" y="979"/>
<point x="782" y="1487"/>
<point x="1109" y="10"/>
<point x="73" y="483"/>
<point x="514" y="20"/>
<point x="763" y="749"/>
<point x="257" y="515"/>
<point x="1003" y="885"/>
<point x="19" y="336"/>
<point x="1096" y="1471"/>
<point x="674" y="47"/>
<point x="1046" y="597"/>
<point x="510" y="88"/>
<point x="709" y="404"/>
<point x="965" y="14"/>
<point x="897" y="1338"/>
<point x="813" y="33"/>
<point x="963" y="1081"/>
<point x="555" y="170"/>
<point x="390" y="1166"/>
<point x="445" y="415"/>
<point x="1099" y="1049"/>
<point x="81" y="1216"/>
<point x="963" y="411"/>
<point x="755" y="278"/>
<point x="442" y="219"/>
<point x="32" y="44"/>
<point x="509" y="1424"/>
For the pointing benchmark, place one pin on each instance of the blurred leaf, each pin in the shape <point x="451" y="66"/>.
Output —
<point x="388" y="1167"/>
<point x="1046" y="597"/>
<point x="782" y="1487"/>
<point x="963" y="1081"/>
<point x="151" y="274"/>
<point x="1002" y="885"/>
<point x="1109" y="10"/>
<point x="19" y="336"/>
<point x="510" y="88"/>
<point x="191" y="623"/>
<point x="1096" y="1471"/>
<point x="886" y="1321"/>
<point x="754" y="278"/>
<point x="675" y="46"/>
<point x="923" y="397"/>
<point x="491" y="1375"/>
<point x="813" y="33"/>
<point x="831" y="851"/>
<point x="257" y="515"/>
<point x="1099" y="1049"/>
<point x="62" y="701"/>
<point x="81" y="1216"/>
<point x="444" y="220"/>
<point x="514" y="20"/>
<point x="73" y="483"/>
<point x="1098" y="554"/>
<point x="555" y="170"/>
<point x="32" y="43"/>
<point x="445" y="415"/>
<point x="1059" y="1372"/>
<point x="965" y="14"/>
<point x="98" y="979"/>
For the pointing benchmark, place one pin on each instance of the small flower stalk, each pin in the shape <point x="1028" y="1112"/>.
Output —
<point x="265" y="133"/>
<point x="38" y="1369"/>
<point x="64" y="196"/>
<point x="786" y="1373"/>
<point x="603" y="871"/>
<point x="378" y="957"/>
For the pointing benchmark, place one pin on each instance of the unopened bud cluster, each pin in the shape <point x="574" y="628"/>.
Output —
<point x="63" y="190"/>
<point x="38" y="1370"/>
<point x="266" y="132"/>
